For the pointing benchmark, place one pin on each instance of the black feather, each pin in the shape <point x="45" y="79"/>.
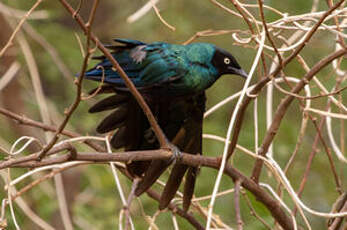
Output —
<point x="172" y="184"/>
<point x="109" y="103"/>
<point x="101" y="57"/>
<point x="189" y="186"/>
<point x="104" y="89"/>
<point x="119" y="138"/>
<point x="113" y="121"/>
<point x="154" y="171"/>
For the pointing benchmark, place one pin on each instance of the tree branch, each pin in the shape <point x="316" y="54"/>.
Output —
<point x="156" y="128"/>
<point x="284" y="105"/>
<point x="188" y="159"/>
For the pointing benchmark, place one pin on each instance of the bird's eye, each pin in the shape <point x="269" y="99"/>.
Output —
<point x="227" y="61"/>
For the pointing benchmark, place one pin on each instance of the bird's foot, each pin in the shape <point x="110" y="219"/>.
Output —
<point x="176" y="153"/>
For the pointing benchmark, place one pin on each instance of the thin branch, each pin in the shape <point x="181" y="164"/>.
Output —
<point x="177" y="210"/>
<point x="327" y="114"/>
<point x="13" y="35"/>
<point x="16" y="13"/>
<point x="207" y="33"/>
<point x="257" y="88"/>
<point x="78" y="83"/>
<point x="13" y="161"/>
<point x="284" y="105"/>
<point x="162" y="19"/>
<point x="253" y="212"/>
<point x="50" y="49"/>
<point x="331" y="162"/>
<point x="261" y="10"/>
<point x="142" y="11"/>
<point x="156" y="128"/>
<point x="9" y="75"/>
<point x="23" y="120"/>
<point x="237" y="205"/>
<point x="189" y="159"/>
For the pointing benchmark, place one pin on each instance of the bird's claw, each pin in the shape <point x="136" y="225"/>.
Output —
<point x="176" y="153"/>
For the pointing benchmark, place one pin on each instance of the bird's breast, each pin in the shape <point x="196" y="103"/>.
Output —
<point x="199" y="79"/>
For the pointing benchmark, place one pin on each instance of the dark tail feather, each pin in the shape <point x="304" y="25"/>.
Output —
<point x="172" y="185"/>
<point x="109" y="103"/>
<point x="156" y="168"/>
<point x="119" y="138"/>
<point x="138" y="168"/>
<point x="104" y="89"/>
<point x="113" y="121"/>
<point x="189" y="187"/>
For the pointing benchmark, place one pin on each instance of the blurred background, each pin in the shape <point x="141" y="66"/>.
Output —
<point x="94" y="203"/>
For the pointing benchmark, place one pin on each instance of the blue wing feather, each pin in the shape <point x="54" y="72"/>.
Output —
<point x="129" y="42"/>
<point x="157" y="66"/>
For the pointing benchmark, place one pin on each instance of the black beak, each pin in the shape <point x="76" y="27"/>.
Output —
<point x="239" y="72"/>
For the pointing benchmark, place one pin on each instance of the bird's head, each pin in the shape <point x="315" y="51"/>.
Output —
<point x="225" y="63"/>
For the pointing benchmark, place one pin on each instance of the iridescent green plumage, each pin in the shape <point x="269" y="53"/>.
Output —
<point x="186" y="68"/>
<point x="173" y="79"/>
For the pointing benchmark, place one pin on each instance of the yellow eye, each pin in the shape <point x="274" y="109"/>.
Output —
<point x="227" y="61"/>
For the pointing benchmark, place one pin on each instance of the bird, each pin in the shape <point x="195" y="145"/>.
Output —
<point x="172" y="79"/>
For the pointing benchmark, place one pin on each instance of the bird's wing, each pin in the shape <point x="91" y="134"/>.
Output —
<point x="152" y="65"/>
<point x="188" y="138"/>
<point x="181" y="120"/>
<point x="147" y="65"/>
